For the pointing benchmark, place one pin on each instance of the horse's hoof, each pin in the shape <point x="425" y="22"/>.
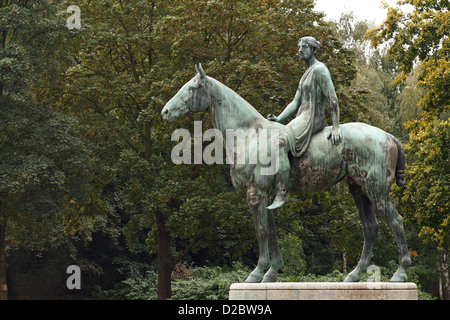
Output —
<point x="278" y="203"/>
<point x="399" y="276"/>
<point x="352" y="277"/>
<point x="253" y="279"/>
<point x="270" y="276"/>
<point x="280" y="199"/>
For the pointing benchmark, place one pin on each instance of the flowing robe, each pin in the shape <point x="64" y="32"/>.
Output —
<point x="316" y="89"/>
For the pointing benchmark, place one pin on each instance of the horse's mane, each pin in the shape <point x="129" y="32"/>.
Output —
<point x="235" y="97"/>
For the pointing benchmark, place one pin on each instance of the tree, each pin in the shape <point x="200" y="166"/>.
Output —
<point x="423" y="36"/>
<point x="375" y="74"/>
<point x="408" y="101"/>
<point x="45" y="170"/>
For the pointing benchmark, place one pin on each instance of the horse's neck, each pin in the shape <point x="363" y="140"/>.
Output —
<point x="229" y="110"/>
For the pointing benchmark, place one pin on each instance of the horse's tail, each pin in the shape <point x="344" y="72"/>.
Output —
<point x="401" y="160"/>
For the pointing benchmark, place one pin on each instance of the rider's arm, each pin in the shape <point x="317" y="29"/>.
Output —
<point x="334" y="107"/>
<point x="327" y="88"/>
<point x="291" y="108"/>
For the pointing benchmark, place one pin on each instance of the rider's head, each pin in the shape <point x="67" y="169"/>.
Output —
<point x="311" y="42"/>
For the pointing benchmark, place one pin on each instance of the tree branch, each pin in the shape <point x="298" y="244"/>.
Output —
<point x="186" y="250"/>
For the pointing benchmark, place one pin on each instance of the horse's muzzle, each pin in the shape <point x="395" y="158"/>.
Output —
<point x="165" y="114"/>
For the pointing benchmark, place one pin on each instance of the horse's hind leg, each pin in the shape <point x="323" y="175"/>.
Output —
<point x="395" y="222"/>
<point x="370" y="230"/>
<point x="258" y="205"/>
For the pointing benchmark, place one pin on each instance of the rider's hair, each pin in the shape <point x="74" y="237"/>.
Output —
<point x="312" y="42"/>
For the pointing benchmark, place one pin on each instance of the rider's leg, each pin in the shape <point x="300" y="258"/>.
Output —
<point x="282" y="177"/>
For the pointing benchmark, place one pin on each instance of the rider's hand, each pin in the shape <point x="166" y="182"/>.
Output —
<point x="336" y="136"/>
<point x="272" y="117"/>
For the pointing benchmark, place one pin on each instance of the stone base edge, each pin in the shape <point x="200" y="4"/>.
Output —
<point x="324" y="291"/>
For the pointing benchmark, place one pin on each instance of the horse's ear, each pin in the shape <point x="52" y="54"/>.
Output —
<point x="196" y="69"/>
<point x="201" y="71"/>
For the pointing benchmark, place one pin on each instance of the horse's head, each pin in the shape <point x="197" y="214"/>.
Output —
<point x="193" y="97"/>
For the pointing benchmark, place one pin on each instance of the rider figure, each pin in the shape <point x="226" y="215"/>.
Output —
<point x="315" y="90"/>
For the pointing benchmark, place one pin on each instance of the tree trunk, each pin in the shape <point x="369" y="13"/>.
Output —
<point x="344" y="263"/>
<point x="3" y="282"/>
<point x="3" y="266"/>
<point x="165" y="263"/>
<point x="444" y="277"/>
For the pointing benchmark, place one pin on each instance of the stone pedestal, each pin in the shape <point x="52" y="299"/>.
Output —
<point x="324" y="291"/>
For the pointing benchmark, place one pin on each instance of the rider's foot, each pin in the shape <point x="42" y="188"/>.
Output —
<point x="280" y="199"/>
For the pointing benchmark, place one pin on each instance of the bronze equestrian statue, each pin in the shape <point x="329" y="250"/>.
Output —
<point x="367" y="158"/>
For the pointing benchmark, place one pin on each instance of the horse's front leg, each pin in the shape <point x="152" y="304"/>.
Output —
<point x="276" y="261"/>
<point x="258" y="205"/>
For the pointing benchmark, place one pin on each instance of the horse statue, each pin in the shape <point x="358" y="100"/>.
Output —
<point x="368" y="158"/>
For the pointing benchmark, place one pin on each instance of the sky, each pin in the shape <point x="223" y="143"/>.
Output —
<point x="363" y="9"/>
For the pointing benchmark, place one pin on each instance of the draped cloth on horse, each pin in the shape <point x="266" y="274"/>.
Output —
<point x="316" y="89"/>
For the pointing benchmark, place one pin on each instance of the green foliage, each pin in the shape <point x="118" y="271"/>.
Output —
<point x="209" y="283"/>
<point x="292" y="253"/>
<point x="408" y="102"/>
<point x="28" y="31"/>
<point x="47" y="173"/>
<point x="427" y="196"/>
<point x="198" y="283"/>
<point x="139" y="282"/>
<point x="421" y="34"/>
